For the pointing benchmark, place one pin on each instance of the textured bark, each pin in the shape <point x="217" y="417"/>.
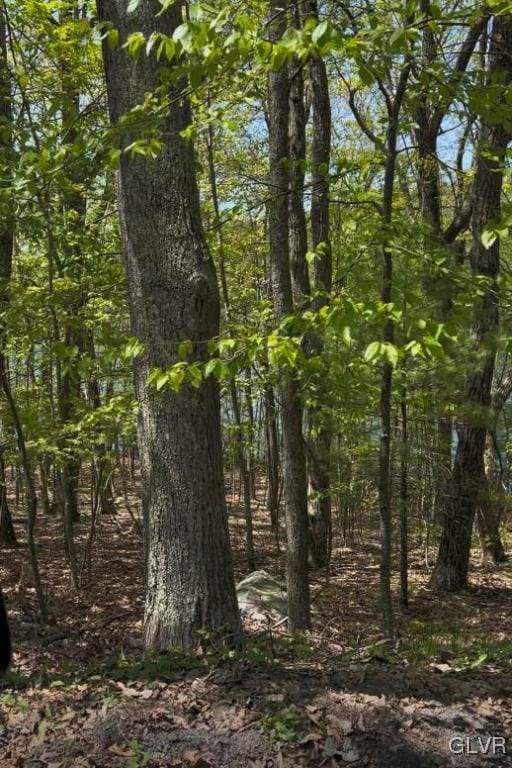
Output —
<point x="173" y="295"/>
<point x="301" y="288"/>
<point x="294" y="464"/>
<point x="451" y="571"/>
<point x="320" y="440"/>
<point x="320" y="159"/>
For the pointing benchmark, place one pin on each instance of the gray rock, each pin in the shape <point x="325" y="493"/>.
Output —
<point x="260" y="594"/>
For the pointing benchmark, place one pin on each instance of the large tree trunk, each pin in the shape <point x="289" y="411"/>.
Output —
<point x="451" y="571"/>
<point x="294" y="463"/>
<point x="173" y="295"/>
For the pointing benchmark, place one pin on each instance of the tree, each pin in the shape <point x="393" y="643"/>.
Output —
<point x="492" y="498"/>
<point x="429" y="113"/>
<point x="320" y="439"/>
<point x="5" y="637"/>
<point x="7" y="533"/>
<point x="294" y="462"/>
<point x="173" y="297"/>
<point x="451" y="571"/>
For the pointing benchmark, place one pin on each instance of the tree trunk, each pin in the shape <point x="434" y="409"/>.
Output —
<point x="7" y="532"/>
<point x="490" y="505"/>
<point x="5" y="637"/>
<point x="301" y="288"/>
<point x="320" y="439"/>
<point x="173" y="296"/>
<point x="71" y="266"/>
<point x="451" y="571"/>
<point x="294" y="463"/>
<point x="6" y="257"/>
<point x="386" y="384"/>
<point x="428" y="118"/>
<point x="272" y="450"/>
<point x="240" y="451"/>
<point x="492" y="501"/>
<point x="404" y="503"/>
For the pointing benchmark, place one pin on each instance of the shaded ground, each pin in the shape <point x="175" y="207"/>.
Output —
<point x="82" y="696"/>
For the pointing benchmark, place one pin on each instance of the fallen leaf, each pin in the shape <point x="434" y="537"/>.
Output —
<point x="311" y="737"/>
<point x="440" y="667"/>
<point x="127" y="691"/>
<point x="341" y="726"/>
<point x="350" y="755"/>
<point x="116" y="749"/>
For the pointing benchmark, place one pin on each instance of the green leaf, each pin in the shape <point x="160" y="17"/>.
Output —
<point x="365" y="73"/>
<point x="184" y="349"/>
<point x="396" y="39"/>
<point x="372" y="350"/>
<point x="390" y="352"/>
<point x="134" y="44"/>
<point x="112" y="38"/>
<point x="488" y="237"/>
<point x="166" y="4"/>
<point x="195" y="375"/>
<point x="321" y="32"/>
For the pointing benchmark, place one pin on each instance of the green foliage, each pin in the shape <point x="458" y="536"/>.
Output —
<point x="167" y="667"/>
<point x="139" y="757"/>
<point x="15" y="680"/>
<point x="458" y="648"/>
<point x="285" y="725"/>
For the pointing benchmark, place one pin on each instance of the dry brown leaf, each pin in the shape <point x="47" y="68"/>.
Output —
<point x="339" y="726"/>
<point x="350" y="755"/>
<point x="127" y="691"/>
<point x="311" y="738"/>
<point x="440" y="667"/>
<point x="117" y="749"/>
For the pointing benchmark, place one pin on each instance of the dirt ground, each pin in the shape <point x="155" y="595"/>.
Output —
<point x="80" y="694"/>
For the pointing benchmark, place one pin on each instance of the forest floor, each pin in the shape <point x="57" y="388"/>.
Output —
<point x="80" y="694"/>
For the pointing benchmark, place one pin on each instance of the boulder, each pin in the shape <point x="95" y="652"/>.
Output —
<point x="260" y="594"/>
